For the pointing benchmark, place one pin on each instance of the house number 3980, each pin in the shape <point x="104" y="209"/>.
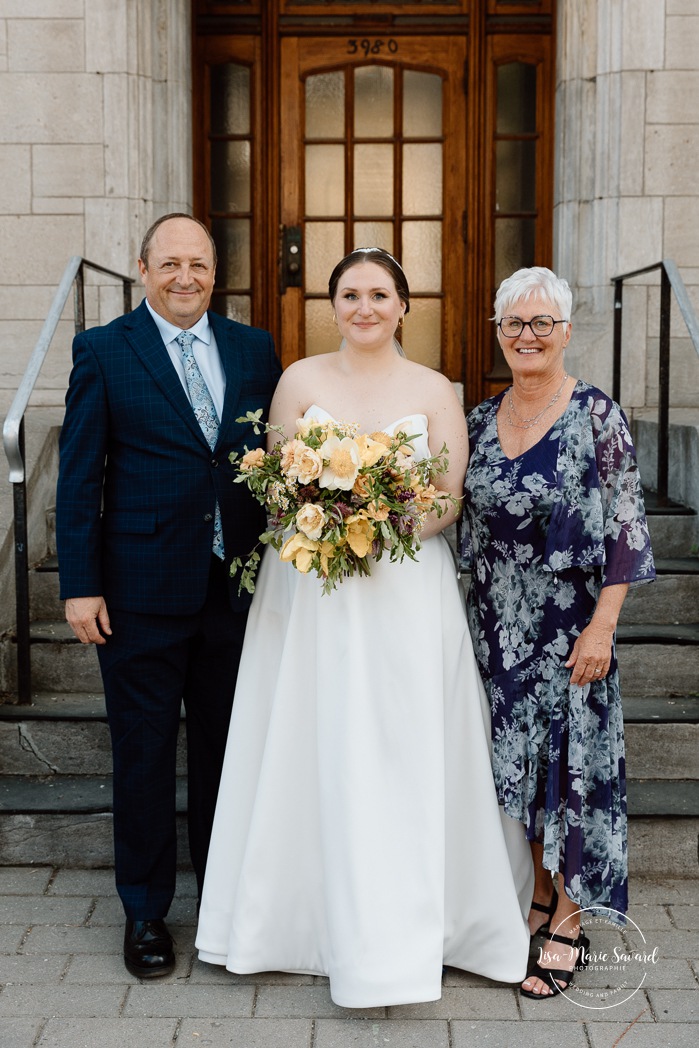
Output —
<point x="371" y="47"/>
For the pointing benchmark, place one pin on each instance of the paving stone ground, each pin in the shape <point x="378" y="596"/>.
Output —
<point x="63" y="984"/>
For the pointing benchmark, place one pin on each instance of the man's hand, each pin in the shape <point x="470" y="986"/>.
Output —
<point x="88" y="619"/>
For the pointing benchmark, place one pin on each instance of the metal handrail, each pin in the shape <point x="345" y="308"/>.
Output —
<point x="670" y="283"/>
<point x="13" y="441"/>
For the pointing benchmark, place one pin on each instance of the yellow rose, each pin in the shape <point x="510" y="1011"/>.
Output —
<point x="327" y="552"/>
<point x="288" y="454"/>
<point x="360" y="534"/>
<point x="362" y="486"/>
<point x="299" y="550"/>
<point x="310" y="520"/>
<point x="304" y="561"/>
<point x="370" y="450"/>
<point x="308" y="465"/>
<point x="425" y="496"/>
<point x="300" y="462"/>
<point x="252" y="459"/>
<point x="377" y="510"/>
<point x="382" y="438"/>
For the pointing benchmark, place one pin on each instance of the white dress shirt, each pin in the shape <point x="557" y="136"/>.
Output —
<point x="205" y="353"/>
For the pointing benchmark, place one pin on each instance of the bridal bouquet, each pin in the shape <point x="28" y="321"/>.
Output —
<point x="337" y="499"/>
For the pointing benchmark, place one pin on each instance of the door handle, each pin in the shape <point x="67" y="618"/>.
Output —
<point x="292" y="257"/>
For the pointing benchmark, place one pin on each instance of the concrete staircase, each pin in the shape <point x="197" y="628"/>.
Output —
<point x="55" y="755"/>
<point x="55" y="787"/>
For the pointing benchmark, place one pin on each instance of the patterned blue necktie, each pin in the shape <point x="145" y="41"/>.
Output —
<point x="205" y="413"/>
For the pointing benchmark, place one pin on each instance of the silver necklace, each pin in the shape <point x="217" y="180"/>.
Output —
<point x="527" y="423"/>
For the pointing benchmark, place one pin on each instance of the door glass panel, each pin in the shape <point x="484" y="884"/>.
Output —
<point x="321" y="332"/>
<point x="373" y="180"/>
<point x="235" y="307"/>
<point x="422" y="179"/>
<point x="514" y="245"/>
<point x="325" y="180"/>
<point x="515" y="179"/>
<point x="230" y="99"/>
<point x="325" y="105"/>
<point x="230" y="176"/>
<point x="422" y="255"/>
<point x="422" y="331"/>
<point x="422" y="104"/>
<point x="232" y="237"/>
<point x="373" y="234"/>
<point x="324" y="247"/>
<point x="373" y="102"/>
<point x="516" y="98"/>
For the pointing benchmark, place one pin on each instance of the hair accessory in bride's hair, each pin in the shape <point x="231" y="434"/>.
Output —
<point x="367" y="250"/>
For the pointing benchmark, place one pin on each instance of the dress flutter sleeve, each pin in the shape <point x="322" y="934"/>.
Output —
<point x="628" y="555"/>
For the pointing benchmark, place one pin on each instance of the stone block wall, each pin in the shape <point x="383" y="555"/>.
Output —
<point x="95" y="140"/>
<point x="626" y="190"/>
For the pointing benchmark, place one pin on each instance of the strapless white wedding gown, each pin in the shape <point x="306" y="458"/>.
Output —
<point x="357" y="832"/>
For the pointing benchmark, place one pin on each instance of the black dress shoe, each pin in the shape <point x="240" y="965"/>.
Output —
<point x="148" y="949"/>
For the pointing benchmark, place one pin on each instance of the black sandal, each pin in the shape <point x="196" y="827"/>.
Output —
<point x="554" y="976"/>
<point x="548" y="910"/>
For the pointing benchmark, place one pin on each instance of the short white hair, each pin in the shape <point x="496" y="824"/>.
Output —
<point x="528" y="283"/>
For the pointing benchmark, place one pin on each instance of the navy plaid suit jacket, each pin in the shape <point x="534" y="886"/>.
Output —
<point x="138" y="484"/>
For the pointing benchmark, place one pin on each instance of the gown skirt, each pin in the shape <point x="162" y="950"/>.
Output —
<point x="357" y="831"/>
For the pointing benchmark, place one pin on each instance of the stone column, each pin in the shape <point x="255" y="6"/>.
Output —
<point x="626" y="196"/>
<point x="95" y="141"/>
<point x="140" y="49"/>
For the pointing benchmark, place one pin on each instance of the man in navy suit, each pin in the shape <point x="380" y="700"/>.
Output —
<point x="139" y="491"/>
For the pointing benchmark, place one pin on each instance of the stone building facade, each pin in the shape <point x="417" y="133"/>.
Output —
<point x="96" y="140"/>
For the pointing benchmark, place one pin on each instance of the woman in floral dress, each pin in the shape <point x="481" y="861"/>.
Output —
<point x="554" y="534"/>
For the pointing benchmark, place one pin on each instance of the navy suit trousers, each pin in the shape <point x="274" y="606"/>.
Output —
<point x="150" y="665"/>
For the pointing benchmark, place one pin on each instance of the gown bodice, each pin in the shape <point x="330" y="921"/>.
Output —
<point x="415" y="424"/>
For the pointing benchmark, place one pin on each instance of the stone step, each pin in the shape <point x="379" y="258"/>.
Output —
<point x="66" y="821"/>
<point x="669" y="508"/>
<point x="677" y="565"/>
<point x="654" y="710"/>
<point x="59" y="663"/>
<point x="674" y="535"/>
<point x="67" y="734"/>
<point x="658" y="659"/>
<point x="672" y="598"/>
<point x="62" y="734"/>
<point x="648" y="670"/>
<point x="662" y="751"/>
<point x="659" y="633"/>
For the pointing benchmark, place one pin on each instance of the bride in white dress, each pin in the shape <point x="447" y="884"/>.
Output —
<point x="357" y="832"/>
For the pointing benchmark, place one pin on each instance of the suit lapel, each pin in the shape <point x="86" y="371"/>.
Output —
<point x="230" y="359"/>
<point x="146" y="342"/>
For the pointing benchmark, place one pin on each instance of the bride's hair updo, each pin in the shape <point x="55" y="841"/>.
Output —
<point x="381" y="258"/>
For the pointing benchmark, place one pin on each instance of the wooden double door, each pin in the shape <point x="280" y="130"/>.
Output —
<point x="308" y="145"/>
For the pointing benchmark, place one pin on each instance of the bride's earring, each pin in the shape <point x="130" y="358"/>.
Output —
<point x="334" y="319"/>
<point x="401" y="319"/>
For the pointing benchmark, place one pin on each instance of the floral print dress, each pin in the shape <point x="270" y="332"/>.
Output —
<point x="542" y="534"/>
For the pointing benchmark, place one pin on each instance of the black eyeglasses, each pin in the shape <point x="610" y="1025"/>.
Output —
<point x="511" y="327"/>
